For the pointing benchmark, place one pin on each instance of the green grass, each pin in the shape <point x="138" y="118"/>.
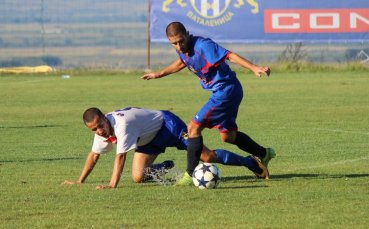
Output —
<point x="317" y="122"/>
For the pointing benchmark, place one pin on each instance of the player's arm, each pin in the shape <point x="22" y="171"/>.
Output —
<point x="90" y="163"/>
<point x="119" y="162"/>
<point x="176" y="66"/>
<point x="240" y="61"/>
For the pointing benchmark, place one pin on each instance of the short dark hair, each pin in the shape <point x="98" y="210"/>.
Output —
<point x="91" y="113"/>
<point x="175" y="28"/>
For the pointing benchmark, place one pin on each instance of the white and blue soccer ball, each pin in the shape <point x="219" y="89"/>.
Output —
<point x="206" y="176"/>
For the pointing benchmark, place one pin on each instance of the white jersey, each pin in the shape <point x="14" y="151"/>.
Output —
<point x="132" y="127"/>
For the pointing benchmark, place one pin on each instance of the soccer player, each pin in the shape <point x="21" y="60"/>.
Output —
<point x="148" y="132"/>
<point x="207" y="60"/>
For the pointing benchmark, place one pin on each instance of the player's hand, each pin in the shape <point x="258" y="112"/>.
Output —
<point x="71" y="182"/>
<point x="150" y="76"/>
<point x="259" y="71"/>
<point x="104" y="187"/>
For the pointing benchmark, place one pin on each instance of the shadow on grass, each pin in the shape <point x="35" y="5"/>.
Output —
<point x="316" y="176"/>
<point x="251" y="182"/>
<point x="41" y="159"/>
<point x="243" y="187"/>
<point x="237" y="178"/>
<point x="293" y="176"/>
<point x="30" y="127"/>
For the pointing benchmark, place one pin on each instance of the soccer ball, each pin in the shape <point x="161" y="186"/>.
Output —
<point x="206" y="176"/>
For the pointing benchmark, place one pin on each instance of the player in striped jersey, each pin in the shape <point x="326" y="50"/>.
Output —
<point x="207" y="60"/>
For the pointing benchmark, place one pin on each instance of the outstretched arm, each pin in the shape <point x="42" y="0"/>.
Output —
<point x="240" y="61"/>
<point x="119" y="162"/>
<point x="90" y="163"/>
<point x="176" y="66"/>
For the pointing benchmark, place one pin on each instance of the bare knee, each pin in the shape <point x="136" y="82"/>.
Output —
<point x="138" y="178"/>
<point x="194" y="130"/>
<point x="228" y="137"/>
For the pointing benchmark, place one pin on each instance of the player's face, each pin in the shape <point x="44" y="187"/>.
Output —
<point x="100" y="126"/>
<point x="181" y="42"/>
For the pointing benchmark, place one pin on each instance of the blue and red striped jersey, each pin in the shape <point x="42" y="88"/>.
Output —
<point x="207" y="60"/>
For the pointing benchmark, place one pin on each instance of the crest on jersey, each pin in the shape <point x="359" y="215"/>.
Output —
<point x="184" y="135"/>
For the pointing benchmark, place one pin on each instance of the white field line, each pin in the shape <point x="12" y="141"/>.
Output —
<point x="330" y="130"/>
<point x="331" y="164"/>
<point x="342" y="131"/>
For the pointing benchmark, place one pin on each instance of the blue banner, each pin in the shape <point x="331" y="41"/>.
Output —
<point x="258" y="21"/>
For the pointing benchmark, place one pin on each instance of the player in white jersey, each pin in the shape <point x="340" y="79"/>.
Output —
<point x="148" y="132"/>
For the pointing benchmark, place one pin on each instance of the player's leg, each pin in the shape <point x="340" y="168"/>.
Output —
<point x="247" y="144"/>
<point x="226" y="114"/>
<point x="194" y="147"/>
<point x="244" y="142"/>
<point x="143" y="168"/>
<point x="140" y="164"/>
<point x="203" y="119"/>
<point x="165" y="165"/>
<point x="175" y="133"/>
<point x="226" y="157"/>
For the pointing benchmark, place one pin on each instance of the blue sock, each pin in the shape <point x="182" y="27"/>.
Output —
<point x="228" y="158"/>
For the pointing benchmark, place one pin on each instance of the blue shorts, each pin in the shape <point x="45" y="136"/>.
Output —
<point x="173" y="133"/>
<point x="221" y="109"/>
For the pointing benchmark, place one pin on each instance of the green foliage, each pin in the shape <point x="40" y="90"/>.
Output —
<point x="317" y="122"/>
<point x="353" y="66"/>
<point x="292" y="56"/>
<point x="353" y="55"/>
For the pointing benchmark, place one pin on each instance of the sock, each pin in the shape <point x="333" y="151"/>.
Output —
<point x="228" y="158"/>
<point x="244" y="142"/>
<point x="194" y="150"/>
<point x="164" y="165"/>
<point x="159" y="166"/>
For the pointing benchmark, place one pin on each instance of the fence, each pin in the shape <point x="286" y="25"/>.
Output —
<point x="110" y="34"/>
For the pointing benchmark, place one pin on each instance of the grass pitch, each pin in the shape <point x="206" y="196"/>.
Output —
<point x="317" y="122"/>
